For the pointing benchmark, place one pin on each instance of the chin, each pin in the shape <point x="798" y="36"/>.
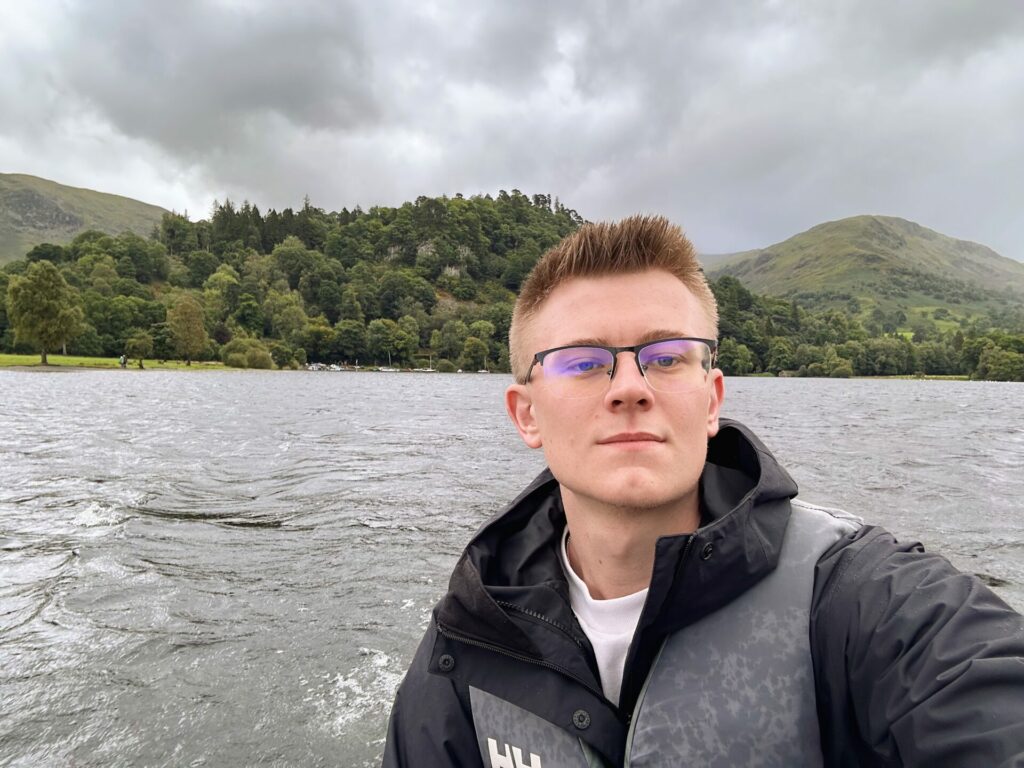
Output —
<point x="636" y="490"/>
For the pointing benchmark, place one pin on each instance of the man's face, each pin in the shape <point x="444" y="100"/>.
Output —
<point x="632" y="446"/>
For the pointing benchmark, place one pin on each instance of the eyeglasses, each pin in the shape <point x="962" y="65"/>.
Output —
<point x="667" y="365"/>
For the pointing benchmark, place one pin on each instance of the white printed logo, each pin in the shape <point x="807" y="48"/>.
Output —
<point x="513" y="760"/>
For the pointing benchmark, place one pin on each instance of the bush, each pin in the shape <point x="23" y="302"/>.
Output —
<point x="235" y="360"/>
<point x="281" y="353"/>
<point x="259" y="358"/>
<point x="446" y="366"/>
<point x="251" y="351"/>
<point x="816" y="369"/>
<point x="842" y="371"/>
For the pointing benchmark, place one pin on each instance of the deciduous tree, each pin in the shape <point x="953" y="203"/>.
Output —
<point x="139" y="346"/>
<point x="187" y="329"/>
<point x="43" y="309"/>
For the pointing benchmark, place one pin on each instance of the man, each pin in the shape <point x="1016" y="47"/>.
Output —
<point x="659" y="598"/>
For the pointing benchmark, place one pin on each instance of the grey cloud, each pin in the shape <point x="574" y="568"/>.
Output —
<point x="745" y="122"/>
<point x="195" y="77"/>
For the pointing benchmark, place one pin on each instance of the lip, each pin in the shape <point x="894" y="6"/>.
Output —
<point x="631" y="437"/>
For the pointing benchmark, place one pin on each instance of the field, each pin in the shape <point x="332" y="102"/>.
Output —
<point x="71" y="361"/>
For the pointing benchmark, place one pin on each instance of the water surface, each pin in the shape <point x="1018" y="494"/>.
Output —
<point x="230" y="568"/>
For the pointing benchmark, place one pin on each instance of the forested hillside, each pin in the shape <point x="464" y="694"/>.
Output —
<point x="430" y="282"/>
<point x="433" y="279"/>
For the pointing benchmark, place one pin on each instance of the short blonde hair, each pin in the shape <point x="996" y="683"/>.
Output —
<point x="636" y="244"/>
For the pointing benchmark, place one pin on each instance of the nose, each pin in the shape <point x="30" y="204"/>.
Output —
<point x="628" y="385"/>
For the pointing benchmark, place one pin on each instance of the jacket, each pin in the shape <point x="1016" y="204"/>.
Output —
<point x="905" y="660"/>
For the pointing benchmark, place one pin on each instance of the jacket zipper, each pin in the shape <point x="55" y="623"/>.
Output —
<point x="451" y="635"/>
<point x="654" y="663"/>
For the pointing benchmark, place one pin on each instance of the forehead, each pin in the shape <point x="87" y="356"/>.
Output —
<point x="617" y="310"/>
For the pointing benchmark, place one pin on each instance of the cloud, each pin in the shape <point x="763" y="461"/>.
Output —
<point x="744" y="123"/>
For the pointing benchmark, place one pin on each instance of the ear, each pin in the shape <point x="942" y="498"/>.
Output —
<point x="519" y="404"/>
<point x="716" y="396"/>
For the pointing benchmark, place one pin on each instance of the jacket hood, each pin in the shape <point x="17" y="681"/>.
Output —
<point x="512" y="561"/>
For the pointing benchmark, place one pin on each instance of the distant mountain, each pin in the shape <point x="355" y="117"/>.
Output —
<point x="888" y="261"/>
<point x="34" y="211"/>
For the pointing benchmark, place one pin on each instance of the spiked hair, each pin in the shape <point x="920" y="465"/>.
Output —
<point x="636" y="244"/>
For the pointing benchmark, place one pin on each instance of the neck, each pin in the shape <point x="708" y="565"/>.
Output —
<point x="611" y="548"/>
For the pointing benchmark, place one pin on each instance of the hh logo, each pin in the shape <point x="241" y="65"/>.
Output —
<point x="512" y="757"/>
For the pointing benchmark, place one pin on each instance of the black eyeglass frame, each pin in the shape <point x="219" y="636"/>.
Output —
<point x="635" y="349"/>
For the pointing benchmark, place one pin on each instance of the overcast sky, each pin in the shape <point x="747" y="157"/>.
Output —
<point x="744" y="122"/>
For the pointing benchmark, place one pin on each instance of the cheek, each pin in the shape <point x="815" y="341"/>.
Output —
<point x="561" y="428"/>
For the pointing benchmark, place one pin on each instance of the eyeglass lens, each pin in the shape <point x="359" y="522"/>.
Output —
<point x="669" y="366"/>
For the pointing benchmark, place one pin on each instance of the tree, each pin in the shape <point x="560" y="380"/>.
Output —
<point x="780" y="355"/>
<point x="474" y="354"/>
<point x="188" y="332"/>
<point x="735" y="358"/>
<point x="139" y="346"/>
<point x="46" y="252"/>
<point x="249" y="314"/>
<point x="482" y="329"/>
<point x="350" y="339"/>
<point x="43" y="309"/>
<point x="177" y="233"/>
<point x="448" y="341"/>
<point x="318" y="339"/>
<point x="293" y="259"/>
<point x="998" y="364"/>
<point x="351" y="309"/>
<point x="380" y="338"/>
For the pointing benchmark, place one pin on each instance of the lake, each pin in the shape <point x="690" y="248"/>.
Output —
<point x="230" y="568"/>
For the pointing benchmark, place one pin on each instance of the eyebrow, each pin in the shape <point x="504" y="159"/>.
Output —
<point x="654" y="335"/>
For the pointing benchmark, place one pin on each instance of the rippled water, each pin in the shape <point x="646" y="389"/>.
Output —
<point x="230" y="568"/>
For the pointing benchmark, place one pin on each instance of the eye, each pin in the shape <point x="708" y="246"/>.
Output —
<point x="673" y="356"/>
<point x="577" y="362"/>
<point x="583" y="365"/>
<point x="665" y="361"/>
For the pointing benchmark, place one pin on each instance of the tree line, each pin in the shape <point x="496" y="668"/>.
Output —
<point x="763" y="334"/>
<point x="430" y="282"/>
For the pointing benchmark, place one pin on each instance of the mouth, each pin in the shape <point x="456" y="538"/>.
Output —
<point x="631" y="437"/>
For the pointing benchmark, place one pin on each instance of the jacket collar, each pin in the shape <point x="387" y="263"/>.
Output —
<point x="512" y="560"/>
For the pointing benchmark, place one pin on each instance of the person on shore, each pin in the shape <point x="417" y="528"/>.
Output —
<point x="658" y="596"/>
<point x="123" y="361"/>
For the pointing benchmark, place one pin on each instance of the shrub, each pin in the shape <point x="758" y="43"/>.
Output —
<point x="251" y="351"/>
<point x="842" y="371"/>
<point x="259" y="358"/>
<point x="281" y="353"/>
<point x="446" y="366"/>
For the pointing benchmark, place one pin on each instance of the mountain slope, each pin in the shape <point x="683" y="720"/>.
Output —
<point x="876" y="256"/>
<point x="34" y="210"/>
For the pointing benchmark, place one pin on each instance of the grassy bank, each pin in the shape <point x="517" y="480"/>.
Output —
<point x="73" y="361"/>
<point x="926" y="377"/>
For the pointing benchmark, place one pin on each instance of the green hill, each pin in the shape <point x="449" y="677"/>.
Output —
<point x="34" y="211"/>
<point x="881" y="261"/>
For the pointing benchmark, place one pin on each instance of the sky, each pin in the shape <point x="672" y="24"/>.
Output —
<point x="745" y="122"/>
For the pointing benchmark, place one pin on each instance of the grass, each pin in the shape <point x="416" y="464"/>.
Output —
<point x="927" y="376"/>
<point x="75" y="361"/>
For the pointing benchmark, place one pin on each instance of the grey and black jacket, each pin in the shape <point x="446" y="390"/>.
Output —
<point x="777" y="634"/>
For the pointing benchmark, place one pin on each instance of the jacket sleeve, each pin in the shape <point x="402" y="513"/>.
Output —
<point x="916" y="663"/>
<point x="431" y="722"/>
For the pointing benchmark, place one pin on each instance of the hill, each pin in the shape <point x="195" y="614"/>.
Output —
<point x="881" y="261"/>
<point x="34" y="211"/>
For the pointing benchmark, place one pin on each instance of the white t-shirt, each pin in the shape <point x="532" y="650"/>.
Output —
<point x="608" y="624"/>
